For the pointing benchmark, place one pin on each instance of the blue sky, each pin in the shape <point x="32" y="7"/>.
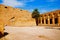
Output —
<point x="42" y="5"/>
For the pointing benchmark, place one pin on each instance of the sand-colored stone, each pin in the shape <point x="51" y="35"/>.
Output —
<point x="50" y="18"/>
<point x="1" y="27"/>
<point x="14" y="16"/>
<point x="32" y="33"/>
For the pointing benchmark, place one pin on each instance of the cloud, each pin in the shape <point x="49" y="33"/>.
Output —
<point x="15" y="3"/>
<point x="12" y="3"/>
<point x="43" y="11"/>
<point x="30" y="10"/>
<point x="26" y="0"/>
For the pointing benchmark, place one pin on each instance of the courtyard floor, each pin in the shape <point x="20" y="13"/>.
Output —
<point x="31" y="33"/>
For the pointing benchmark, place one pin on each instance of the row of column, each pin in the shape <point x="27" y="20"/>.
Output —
<point x="54" y="19"/>
<point x="48" y="20"/>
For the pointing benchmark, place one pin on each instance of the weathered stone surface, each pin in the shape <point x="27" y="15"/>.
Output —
<point x="50" y="18"/>
<point x="16" y="17"/>
<point x="31" y="33"/>
<point x="1" y="27"/>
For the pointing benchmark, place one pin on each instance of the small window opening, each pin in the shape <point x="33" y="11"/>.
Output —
<point x="5" y="7"/>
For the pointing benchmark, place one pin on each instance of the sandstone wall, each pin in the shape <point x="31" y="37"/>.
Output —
<point x="16" y="17"/>
<point x="1" y="27"/>
<point x="50" y="18"/>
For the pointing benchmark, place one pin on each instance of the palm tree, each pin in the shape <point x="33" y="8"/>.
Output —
<point x="35" y="14"/>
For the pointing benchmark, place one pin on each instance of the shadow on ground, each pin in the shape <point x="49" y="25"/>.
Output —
<point x="5" y="33"/>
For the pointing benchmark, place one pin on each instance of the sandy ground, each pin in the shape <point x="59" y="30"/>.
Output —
<point x="31" y="33"/>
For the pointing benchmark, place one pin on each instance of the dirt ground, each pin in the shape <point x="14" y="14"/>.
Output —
<point x="31" y="33"/>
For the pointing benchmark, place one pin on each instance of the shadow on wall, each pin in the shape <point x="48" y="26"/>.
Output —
<point x="5" y="33"/>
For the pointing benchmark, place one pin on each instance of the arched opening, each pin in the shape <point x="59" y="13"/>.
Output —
<point x="46" y="21"/>
<point x="56" y="20"/>
<point x="50" y="21"/>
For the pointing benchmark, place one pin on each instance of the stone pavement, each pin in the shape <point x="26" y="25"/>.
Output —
<point x="31" y="33"/>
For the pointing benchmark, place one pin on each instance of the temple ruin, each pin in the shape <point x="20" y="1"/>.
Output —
<point x="16" y="17"/>
<point x="50" y="18"/>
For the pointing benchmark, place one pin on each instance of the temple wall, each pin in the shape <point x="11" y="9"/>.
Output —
<point x="50" y="18"/>
<point x="16" y="17"/>
<point x="1" y="27"/>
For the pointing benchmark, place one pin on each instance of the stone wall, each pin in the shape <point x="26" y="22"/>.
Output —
<point x="50" y="18"/>
<point x="1" y="27"/>
<point x="16" y="17"/>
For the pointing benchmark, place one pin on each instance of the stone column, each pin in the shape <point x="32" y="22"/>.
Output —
<point x="44" y="20"/>
<point x="58" y="20"/>
<point x="53" y="20"/>
<point x="41" y="20"/>
<point x="48" y="20"/>
<point x="38" y="20"/>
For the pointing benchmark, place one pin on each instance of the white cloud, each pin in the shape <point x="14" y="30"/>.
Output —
<point x="15" y="3"/>
<point x="43" y="11"/>
<point x="12" y="3"/>
<point x="31" y="10"/>
<point x="28" y="0"/>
